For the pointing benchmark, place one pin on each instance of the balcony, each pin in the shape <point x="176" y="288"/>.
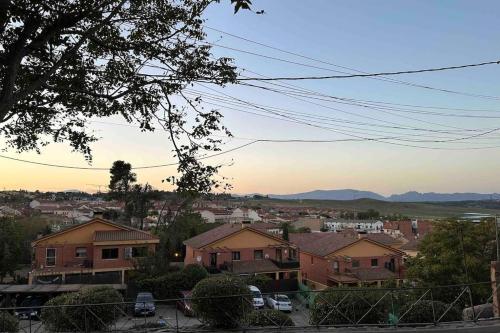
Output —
<point x="287" y="263"/>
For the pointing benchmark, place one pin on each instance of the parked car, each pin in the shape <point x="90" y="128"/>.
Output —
<point x="30" y="308"/>
<point x="144" y="304"/>
<point x="184" y="303"/>
<point x="258" y="301"/>
<point x="279" y="302"/>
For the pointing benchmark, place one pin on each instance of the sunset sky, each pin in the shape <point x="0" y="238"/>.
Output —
<point x="370" y="36"/>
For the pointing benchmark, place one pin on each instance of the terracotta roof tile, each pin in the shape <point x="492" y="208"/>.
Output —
<point x="253" y="266"/>
<point x="321" y="243"/>
<point x="122" y="235"/>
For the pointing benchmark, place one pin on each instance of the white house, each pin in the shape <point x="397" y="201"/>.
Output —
<point x="373" y="226"/>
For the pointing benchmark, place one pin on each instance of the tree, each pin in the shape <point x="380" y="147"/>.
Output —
<point x="139" y="201"/>
<point x="121" y="179"/>
<point x="219" y="311"/>
<point x="455" y="253"/>
<point x="64" y="63"/>
<point x="285" y="227"/>
<point x="10" y="247"/>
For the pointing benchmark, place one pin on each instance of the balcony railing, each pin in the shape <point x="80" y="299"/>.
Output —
<point x="287" y="263"/>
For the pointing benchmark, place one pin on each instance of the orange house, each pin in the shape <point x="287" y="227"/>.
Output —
<point x="244" y="249"/>
<point x="331" y="259"/>
<point x="97" y="251"/>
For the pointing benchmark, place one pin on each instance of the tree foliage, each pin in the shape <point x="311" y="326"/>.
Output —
<point x="454" y="253"/>
<point x="66" y="313"/>
<point x="10" y="246"/>
<point x="269" y="318"/>
<point x="64" y="63"/>
<point x="222" y="301"/>
<point x="8" y="323"/>
<point x="121" y="179"/>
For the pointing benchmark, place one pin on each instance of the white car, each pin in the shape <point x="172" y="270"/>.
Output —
<point x="258" y="301"/>
<point x="279" y="302"/>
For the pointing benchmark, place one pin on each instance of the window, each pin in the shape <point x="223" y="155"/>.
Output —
<point x="279" y="255"/>
<point x="81" y="252"/>
<point x="110" y="253"/>
<point x="355" y="263"/>
<point x="336" y="266"/>
<point x="374" y="262"/>
<point x="258" y="254"/>
<point x="141" y="251"/>
<point x="293" y="254"/>
<point x="236" y="255"/>
<point x="50" y="257"/>
<point x="312" y="260"/>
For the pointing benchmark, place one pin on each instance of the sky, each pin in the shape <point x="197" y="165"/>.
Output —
<point x="369" y="36"/>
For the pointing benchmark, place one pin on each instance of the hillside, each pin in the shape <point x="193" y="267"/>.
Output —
<point x="411" y="209"/>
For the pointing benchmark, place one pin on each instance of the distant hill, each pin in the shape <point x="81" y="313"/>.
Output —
<point x="346" y="194"/>
<point x="411" y="196"/>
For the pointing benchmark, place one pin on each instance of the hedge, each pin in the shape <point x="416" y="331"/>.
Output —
<point x="8" y="323"/>
<point x="260" y="281"/>
<point x="169" y="285"/>
<point x="269" y="317"/>
<point x="341" y="307"/>
<point x="222" y="312"/>
<point x="69" y="314"/>
<point x="422" y="312"/>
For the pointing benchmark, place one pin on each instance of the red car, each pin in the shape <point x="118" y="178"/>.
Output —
<point x="184" y="304"/>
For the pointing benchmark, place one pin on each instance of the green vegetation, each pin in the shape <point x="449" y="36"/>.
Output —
<point x="456" y="253"/>
<point x="426" y="311"/>
<point x="8" y="323"/>
<point x="269" y="317"/>
<point x="341" y="307"/>
<point x="74" y="317"/>
<point x="261" y="281"/>
<point x="170" y="284"/>
<point x="219" y="311"/>
<point x="370" y="214"/>
<point x="11" y="248"/>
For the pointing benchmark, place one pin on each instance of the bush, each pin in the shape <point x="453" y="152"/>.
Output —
<point x="69" y="314"/>
<point x="169" y="285"/>
<point x="269" y="317"/>
<point x="8" y="323"/>
<point x="352" y="305"/>
<point x="422" y="312"/>
<point x="217" y="311"/>
<point x="260" y="281"/>
<point x="194" y="273"/>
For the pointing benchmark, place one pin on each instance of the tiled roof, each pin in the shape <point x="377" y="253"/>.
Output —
<point x="371" y="274"/>
<point x="412" y="245"/>
<point x="383" y="238"/>
<point x="122" y="235"/>
<point x="253" y="266"/>
<point x="321" y="243"/>
<point x="222" y="232"/>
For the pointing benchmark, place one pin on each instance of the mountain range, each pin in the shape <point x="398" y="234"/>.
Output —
<point x="411" y="196"/>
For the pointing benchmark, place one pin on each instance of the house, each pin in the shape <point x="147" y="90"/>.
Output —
<point x="244" y="249"/>
<point x="210" y="215"/>
<point x="373" y="226"/>
<point x="337" y="259"/>
<point x="242" y="215"/>
<point x="97" y="251"/>
<point x="411" y="248"/>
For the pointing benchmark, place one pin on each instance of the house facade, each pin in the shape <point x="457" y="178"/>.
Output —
<point x="335" y="259"/>
<point x="244" y="249"/>
<point x="97" y="251"/>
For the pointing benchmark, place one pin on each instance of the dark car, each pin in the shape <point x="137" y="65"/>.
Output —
<point x="30" y="308"/>
<point x="184" y="303"/>
<point x="144" y="304"/>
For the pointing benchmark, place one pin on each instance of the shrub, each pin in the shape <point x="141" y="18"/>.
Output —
<point x="194" y="273"/>
<point x="217" y="311"/>
<point x="8" y="323"/>
<point x="269" y="317"/>
<point x="68" y="313"/>
<point x="260" y="281"/>
<point x="422" y="312"/>
<point x="351" y="306"/>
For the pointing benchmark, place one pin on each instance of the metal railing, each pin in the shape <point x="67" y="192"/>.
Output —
<point x="336" y="307"/>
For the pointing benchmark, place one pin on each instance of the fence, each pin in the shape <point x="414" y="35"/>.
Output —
<point x="339" y="307"/>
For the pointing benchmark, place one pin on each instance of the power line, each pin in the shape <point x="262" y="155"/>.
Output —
<point x="379" y="77"/>
<point x="134" y="168"/>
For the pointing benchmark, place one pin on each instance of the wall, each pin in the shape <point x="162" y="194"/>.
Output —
<point x="313" y="268"/>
